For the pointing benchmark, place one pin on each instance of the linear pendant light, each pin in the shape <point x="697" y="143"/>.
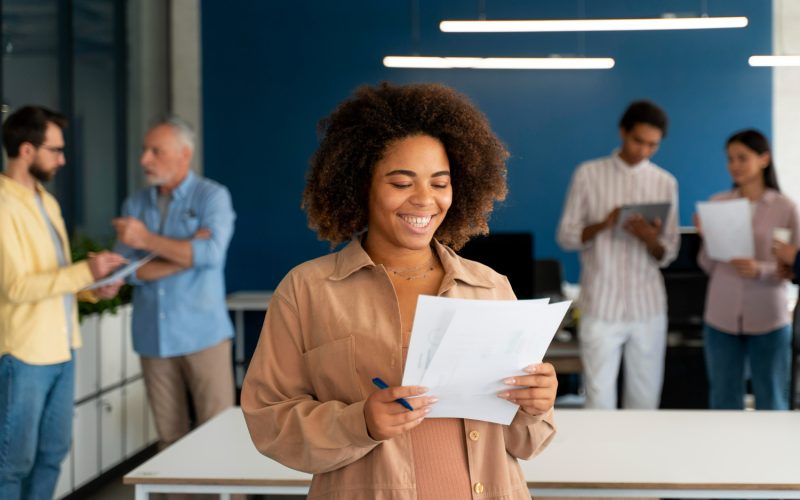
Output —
<point x="556" y="25"/>
<point x="784" y="61"/>
<point x="499" y="62"/>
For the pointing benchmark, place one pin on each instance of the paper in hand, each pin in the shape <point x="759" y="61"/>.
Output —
<point x="727" y="229"/>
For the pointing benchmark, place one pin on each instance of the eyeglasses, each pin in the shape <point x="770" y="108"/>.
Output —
<point x="53" y="149"/>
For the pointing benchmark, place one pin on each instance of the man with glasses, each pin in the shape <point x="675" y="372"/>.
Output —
<point x="181" y="326"/>
<point x="38" y="315"/>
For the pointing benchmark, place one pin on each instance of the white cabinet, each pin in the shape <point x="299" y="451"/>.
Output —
<point x="111" y="330"/>
<point x="85" y="445"/>
<point x="112" y="420"/>
<point x="135" y="418"/>
<point x="86" y="359"/>
<point x="133" y="365"/>
<point x="152" y="433"/>
<point x="112" y="428"/>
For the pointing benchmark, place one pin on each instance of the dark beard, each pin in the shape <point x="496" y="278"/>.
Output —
<point x="39" y="174"/>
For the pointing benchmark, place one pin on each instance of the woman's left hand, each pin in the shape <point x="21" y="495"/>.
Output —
<point x="538" y="392"/>
<point x="747" y="268"/>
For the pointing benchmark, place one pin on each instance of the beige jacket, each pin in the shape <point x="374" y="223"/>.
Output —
<point x="332" y="325"/>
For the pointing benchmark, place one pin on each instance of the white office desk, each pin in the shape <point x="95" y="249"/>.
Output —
<point x="683" y="454"/>
<point x="217" y="457"/>
<point x="239" y="302"/>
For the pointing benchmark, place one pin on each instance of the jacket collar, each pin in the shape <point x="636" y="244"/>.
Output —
<point x="18" y="189"/>
<point x="353" y="258"/>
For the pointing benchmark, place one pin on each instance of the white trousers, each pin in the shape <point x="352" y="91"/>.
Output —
<point x="602" y="346"/>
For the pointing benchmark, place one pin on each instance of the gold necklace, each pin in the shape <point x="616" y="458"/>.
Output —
<point x="414" y="273"/>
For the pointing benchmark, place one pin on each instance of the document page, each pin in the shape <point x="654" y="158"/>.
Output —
<point x="432" y="318"/>
<point x="727" y="229"/>
<point x="474" y="345"/>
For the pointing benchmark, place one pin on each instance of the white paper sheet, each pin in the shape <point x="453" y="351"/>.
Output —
<point x="121" y="273"/>
<point x="727" y="229"/>
<point x="431" y="320"/>
<point x="467" y="347"/>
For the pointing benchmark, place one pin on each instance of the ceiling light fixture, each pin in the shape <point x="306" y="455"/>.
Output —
<point x="498" y="62"/>
<point x="766" y="61"/>
<point x="556" y="25"/>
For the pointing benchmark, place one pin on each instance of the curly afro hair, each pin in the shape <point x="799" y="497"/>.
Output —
<point x="356" y="135"/>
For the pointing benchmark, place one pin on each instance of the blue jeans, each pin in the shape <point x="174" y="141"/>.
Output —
<point x="35" y="426"/>
<point x="769" y="357"/>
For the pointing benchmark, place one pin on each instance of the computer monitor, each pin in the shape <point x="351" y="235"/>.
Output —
<point x="510" y="254"/>
<point x="686" y="286"/>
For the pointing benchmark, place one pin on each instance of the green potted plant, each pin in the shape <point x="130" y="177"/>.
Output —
<point x="81" y="247"/>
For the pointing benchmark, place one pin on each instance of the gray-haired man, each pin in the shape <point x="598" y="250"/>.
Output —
<point x="181" y="326"/>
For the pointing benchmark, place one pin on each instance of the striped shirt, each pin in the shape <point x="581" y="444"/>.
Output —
<point x="620" y="279"/>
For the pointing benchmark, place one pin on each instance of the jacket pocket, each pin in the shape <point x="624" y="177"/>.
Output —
<point x="332" y="370"/>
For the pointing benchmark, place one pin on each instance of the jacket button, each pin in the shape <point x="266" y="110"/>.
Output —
<point x="474" y="435"/>
<point x="478" y="488"/>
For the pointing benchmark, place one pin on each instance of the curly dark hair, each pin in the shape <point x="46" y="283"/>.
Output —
<point x="356" y="136"/>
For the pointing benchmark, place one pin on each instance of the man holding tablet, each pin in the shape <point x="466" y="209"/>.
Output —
<point x="623" y="300"/>
<point x="38" y="310"/>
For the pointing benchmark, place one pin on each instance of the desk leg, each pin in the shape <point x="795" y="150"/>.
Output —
<point x="239" y="347"/>
<point x="141" y="492"/>
<point x="224" y="496"/>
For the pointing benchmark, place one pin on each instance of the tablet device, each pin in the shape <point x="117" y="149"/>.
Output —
<point x="121" y="273"/>
<point x="650" y="211"/>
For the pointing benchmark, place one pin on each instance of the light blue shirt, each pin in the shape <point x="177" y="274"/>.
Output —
<point x="185" y="312"/>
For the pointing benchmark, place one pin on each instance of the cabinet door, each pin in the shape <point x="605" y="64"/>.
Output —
<point x="152" y="432"/>
<point x="64" y="485"/>
<point x="86" y="381"/>
<point x="133" y="365"/>
<point x="110" y="334"/>
<point x="135" y="417"/>
<point x="112" y="428"/>
<point x="85" y="451"/>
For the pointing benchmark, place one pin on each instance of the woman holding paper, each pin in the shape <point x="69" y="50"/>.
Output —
<point x="406" y="174"/>
<point x="746" y="315"/>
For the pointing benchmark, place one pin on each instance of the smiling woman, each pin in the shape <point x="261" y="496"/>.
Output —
<point x="407" y="174"/>
<point x="358" y="135"/>
<point x="409" y="196"/>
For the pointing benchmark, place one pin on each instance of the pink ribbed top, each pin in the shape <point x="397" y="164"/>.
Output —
<point x="440" y="456"/>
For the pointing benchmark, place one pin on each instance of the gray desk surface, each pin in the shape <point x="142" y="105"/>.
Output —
<point x="239" y="302"/>
<point x="685" y="454"/>
<point x="249" y="300"/>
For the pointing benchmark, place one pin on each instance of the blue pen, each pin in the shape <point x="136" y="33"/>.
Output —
<point x="382" y="385"/>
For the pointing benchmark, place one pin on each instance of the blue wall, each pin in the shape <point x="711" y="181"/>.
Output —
<point x="271" y="70"/>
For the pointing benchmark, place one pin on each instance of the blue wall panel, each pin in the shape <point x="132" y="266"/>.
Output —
<point x="272" y="69"/>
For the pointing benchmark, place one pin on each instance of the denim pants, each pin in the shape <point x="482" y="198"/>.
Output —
<point x="35" y="426"/>
<point x="769" y="358"/>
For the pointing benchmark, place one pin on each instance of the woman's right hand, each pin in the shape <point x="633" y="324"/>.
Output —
<point x="386" y="418"/>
